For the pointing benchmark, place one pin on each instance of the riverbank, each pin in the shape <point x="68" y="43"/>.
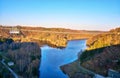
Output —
<point x="74" y="70"/>
<point x="55" y="37"/>
<point x="53" y="58"/>
<point x="102" y="54"/>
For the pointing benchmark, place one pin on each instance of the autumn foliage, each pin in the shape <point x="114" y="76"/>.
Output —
<point x="26" y="57"/>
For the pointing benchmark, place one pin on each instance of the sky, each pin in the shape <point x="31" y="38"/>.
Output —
<point x="73" y="14"/>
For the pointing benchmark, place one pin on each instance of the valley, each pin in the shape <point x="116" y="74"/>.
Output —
<point x="101" y="54"/>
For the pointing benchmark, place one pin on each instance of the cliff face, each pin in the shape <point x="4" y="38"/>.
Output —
<point x="26" y="57"/>
<point x="52" y="36"/>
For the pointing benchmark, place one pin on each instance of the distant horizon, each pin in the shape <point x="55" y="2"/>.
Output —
<point x="59" y="27"/>
<point x="101" y="15"/>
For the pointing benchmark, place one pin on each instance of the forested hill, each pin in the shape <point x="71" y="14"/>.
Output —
<point x="105" y="39"/>
<point x="52" y="36"/>
<point x="26" y="57"/>
<point x="103" y="52"/>
<point x="48" y="29"/>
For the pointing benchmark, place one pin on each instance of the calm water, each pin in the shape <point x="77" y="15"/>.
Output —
<point x="53" y="58"/>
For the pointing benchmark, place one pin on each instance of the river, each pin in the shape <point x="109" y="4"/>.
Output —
<point x="53" y="58"/>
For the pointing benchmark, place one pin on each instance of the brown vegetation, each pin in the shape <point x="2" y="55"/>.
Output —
<point x="100" y="62"/>
<point x="73" y="70"/>
<point x="103" y="52"/>
<point x="53" y="36"/>
<point x="26" y="57"/>
<point x="106" y="39"/>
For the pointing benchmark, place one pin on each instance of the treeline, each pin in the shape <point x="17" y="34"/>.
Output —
<point x="28" y="34"/>
<point x="106" y="39"/>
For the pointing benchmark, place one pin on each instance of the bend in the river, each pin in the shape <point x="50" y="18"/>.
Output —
<point x="53" y="58"/>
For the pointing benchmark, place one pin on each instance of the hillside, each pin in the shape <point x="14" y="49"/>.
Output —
<point x="102" y="59"/>
<point x="106" y="39"/>
<point x="103" y="53"/>
<point x="25" y="56"/>
<point x="52" y="36"/>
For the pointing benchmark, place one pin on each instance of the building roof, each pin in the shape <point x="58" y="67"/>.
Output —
<point x="14" y="30"/>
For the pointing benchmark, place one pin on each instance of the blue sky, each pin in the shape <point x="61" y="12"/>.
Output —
<point x="74" y="14"/>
